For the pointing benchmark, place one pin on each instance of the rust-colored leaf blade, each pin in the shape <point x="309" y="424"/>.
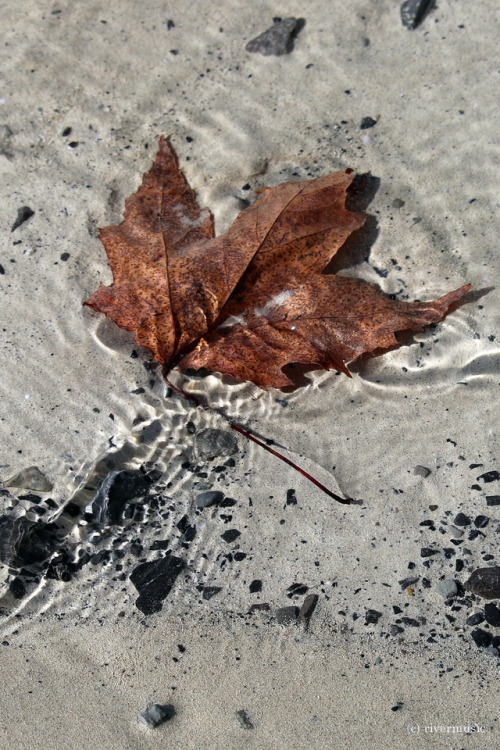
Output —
<point x="329" y="321"/>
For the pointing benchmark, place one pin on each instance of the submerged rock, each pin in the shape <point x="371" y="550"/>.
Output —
<point x="117" y="490"/>
<point x="485" y="582"/>
<point x="278" y="40"/>
<point x="212" y="443"/>
<point x="30" y="479"/>
<point x="413" y="11"/>
<point x="211" y="497"/>
<point x="25" y="542"/>
<point x="155" y="715"/>
<point x="154" y="580"/>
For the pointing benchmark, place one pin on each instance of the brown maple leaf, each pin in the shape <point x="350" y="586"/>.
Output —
<point x="253" y="300"/>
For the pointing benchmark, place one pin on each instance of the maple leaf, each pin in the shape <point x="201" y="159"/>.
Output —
<point x="255" y="299"/>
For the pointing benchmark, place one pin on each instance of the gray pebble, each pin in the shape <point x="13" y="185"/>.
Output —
<point x="395" y="630"/>
<point x="421" y="471"/>
<point x="278" y="40"/>
<point x="205" y="499"/>
<point x="156" y="715"/>
<point x="30" y="479"/>
<point x="447" y="588"/>
<point x="244" y="719"/>
<point x="287" y="615"/>
<point x="212" y="443"/>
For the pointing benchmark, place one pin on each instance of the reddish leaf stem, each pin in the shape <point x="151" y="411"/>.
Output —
<point x="344" y="501"/>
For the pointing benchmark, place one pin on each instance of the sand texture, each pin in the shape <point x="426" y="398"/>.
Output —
<point x="391" y="657"/>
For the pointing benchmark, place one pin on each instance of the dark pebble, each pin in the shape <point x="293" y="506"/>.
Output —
<point x="277" y="40"/>
<point x="481" y="521"/>
<point x="154" y="580"/>
<point x="481" y="638"/>
<point x="255" y="586"/>
<point x="372" y="617"/>
<point x="118" y="489"/>
<point x="291" y="498"/>
<point x="396" y="629"/>
<point x="205" y="499"/>
<point x="23" y="214"/>
<point x="210" y="591"/>
<point x="410" y="622"/>
<point x="461" y="520"/>
<point x="428" y="552"/>
<point x="421" y="471"/>
<point x="287" y="615"/>
<point x="492" y="614"/>
<point x="367" y="122"/>
<point x="261" y="607"/>
<point x="489" y="476"/>
<point x="476" y="619"/>
<point x="307" y="609"/>
<point x="17" y="588"/>
<point x="485" y="582"/>
<point x="244" y="719"/>
<point x="492" y="500"/>
<point x="156" y="715"/>
<point x="230" y="535"/>
<point x="413" y="11"/>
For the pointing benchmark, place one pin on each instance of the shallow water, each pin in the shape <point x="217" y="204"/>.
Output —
<point x="70" y="376"/>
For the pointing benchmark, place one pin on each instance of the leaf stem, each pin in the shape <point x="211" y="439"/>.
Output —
<point x="344" y="501"/>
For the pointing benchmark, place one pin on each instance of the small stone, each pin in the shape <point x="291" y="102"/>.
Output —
<point x="481" y="638"/>
<point x="367" y="122"/>
<point x="154" y="580"/>
<point x="396" y="629"/>
<point x="261" y="607"/>
<point x="456" y="533"/>
<point x="307" y="609"/>
<point x="17" y="588"/>
<point x="156" y="715"/>
<point x="413" y="11"/>
<point x="428" y="552"/>
<point x="230" y="535"/>
<point x="244" y="719"/>
<point x="447" y="588"/>
<point x="277" y="40"/>
<point x="372" y="617"/>
<point x="461" y="520"/>
<point x="492" y="500"/>
<point x="23" y="214"/>
<point x="492" y="614"/>
<point x="485" y="582"/>
<point x="287" y="615"/>
<point x="30" y="479"/>
<point x="210" y="591"/>
<point x="411" y="622"/>
<point x="256" y="586"/>
<point x="476" y="619"/>
<point x="489" y="476"/>
<point x="421" y="471"/>
<point x="481" y="521"/>
<point x="399" y="203"/>
<point x="206" y="499"/>
<point x="212" y="443"/>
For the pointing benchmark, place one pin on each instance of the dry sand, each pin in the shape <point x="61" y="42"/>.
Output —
<point x="79" y="660"/>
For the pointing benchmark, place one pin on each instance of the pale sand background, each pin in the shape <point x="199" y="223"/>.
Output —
<point x="107" y="71"/>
